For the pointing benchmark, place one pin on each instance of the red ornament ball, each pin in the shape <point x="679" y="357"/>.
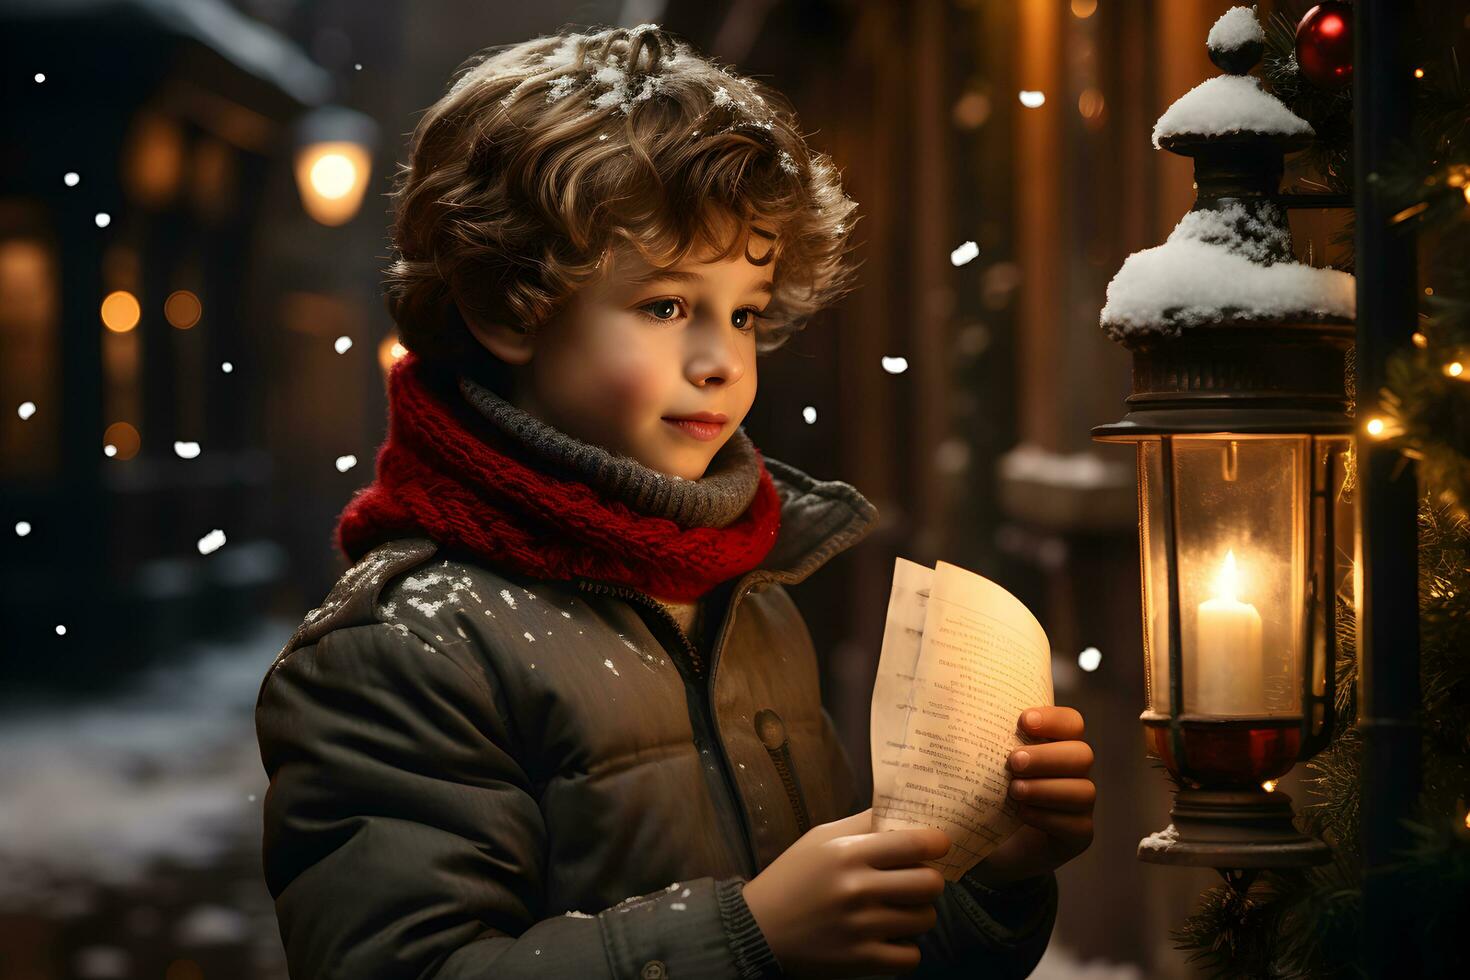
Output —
<point x="1324" y="45"/>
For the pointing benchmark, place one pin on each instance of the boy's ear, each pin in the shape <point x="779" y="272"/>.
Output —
<point x="510" y="342"/>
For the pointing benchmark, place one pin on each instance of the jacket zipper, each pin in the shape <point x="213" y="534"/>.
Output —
<point x="691" y="653"/>
<point x="781" y="756"/>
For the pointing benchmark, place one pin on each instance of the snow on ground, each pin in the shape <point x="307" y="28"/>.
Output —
<point x="1060" y="963"/>
<point x="93" y="792"/>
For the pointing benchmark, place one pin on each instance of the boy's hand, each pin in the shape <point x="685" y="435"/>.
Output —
<point x="847" y="901"/>
<point x="1049" y="781"/>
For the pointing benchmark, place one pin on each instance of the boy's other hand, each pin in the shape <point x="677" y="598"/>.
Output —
<point x="844" y="901"/>
<point x="1049" y="782"/>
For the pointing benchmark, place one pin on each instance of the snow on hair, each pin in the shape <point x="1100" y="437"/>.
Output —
<point x="545" y="157"/>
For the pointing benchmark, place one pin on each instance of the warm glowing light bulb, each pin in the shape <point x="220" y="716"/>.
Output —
<point x="1269" y="786"/>
<point x="1454" y="369"/>
<point x="1467" y="193"/>
<point x="333" y="175"/>
<point x="1418" y="72"/>
<point x="120" y="311"/>
<point x="1420" y="340"/>
<point x="1375" y="428"/>
<point x="1467" y="818"/>
<point x="1227" y="585"/>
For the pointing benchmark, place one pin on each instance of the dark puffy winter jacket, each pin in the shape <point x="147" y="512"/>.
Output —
<point x="474" y="775"/>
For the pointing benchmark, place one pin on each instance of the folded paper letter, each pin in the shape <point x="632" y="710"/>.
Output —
<point x="961" y="659"/>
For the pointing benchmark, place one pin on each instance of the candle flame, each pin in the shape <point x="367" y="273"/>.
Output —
<point x="1227" y="585"/>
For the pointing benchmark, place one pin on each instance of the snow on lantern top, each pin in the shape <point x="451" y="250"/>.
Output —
<point x="1230" y="259"/>
<point x="1233" y="102"/>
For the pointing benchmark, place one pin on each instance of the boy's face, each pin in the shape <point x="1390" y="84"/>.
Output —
<point x="638" y="347"/>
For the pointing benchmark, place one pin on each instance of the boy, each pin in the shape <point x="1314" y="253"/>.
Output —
<point x="564" y="668"/>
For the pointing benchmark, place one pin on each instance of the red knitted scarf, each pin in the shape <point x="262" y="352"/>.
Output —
<point x="442" y="475"/>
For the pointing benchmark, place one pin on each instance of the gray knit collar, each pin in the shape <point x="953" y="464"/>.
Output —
<point x="716" y="499"/>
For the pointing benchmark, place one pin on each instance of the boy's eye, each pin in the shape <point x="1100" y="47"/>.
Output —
<point x="744" y="318"/>
<point x="662" y="309"/>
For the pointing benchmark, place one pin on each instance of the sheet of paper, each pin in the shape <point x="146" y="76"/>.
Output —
<point x="961" y="659"/>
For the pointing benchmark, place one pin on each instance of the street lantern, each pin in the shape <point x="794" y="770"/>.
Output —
<point x="333" y="159"/>
<point x="1240" y="416"/>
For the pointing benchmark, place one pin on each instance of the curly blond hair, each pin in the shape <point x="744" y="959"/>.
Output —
<point x="546" y="157"/>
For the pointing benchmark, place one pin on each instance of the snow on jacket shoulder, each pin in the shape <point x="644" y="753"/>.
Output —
<point x="477" y="775"/>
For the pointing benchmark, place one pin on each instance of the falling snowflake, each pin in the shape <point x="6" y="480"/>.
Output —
<point x="809" y="414"/>
<point x="186" y="450"/>
<point x="22" y="528"/>
<point x="1089" y="659"/>
<point x="227" y="367"/>
<point x="510" y="600"/>
<point x="343" y="344"/>
<point x="60" y="630"/>
<point x="895" y="365"/>
<point x="345" y="463"/>
<point x="26" y="410"/>
<point x="103" y="219"/>
<point x="71" y="178"/>
<point x="609" y="665"/>
<point x="211" y="542"/>
<point x="964" y="254"/>
<point x="528" y="636"/>
<point x="1032" y="99"/>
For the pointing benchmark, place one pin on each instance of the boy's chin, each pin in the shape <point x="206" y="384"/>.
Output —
<point x="684" y="469"/>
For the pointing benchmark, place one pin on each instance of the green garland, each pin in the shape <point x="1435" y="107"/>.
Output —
<point x="1304" y="923"/>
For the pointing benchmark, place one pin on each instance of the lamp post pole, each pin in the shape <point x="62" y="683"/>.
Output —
<point x="1387" y="565"/>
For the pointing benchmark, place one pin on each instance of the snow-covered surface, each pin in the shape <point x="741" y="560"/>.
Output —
<point x="1236" y="27"/>
<point x="1061" y="963"/>
<point x="1208" y="270"/>
<point x="1037" y="465"/>
<point x="1229" y="104"/>
<point x="1160" y="840"/>
<point x="169" y="769"/>
<point x="1260" y="236"/>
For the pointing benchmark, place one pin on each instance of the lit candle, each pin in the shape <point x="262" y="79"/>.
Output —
<point x="1227" y="661"/>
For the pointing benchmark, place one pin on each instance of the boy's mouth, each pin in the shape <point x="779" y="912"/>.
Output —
<point x="702" y="426"/>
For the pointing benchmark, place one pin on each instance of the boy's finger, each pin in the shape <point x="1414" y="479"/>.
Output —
<point x="898" y="848"/>
<point x="1052" y="721"/>
<point x="1051" y="759"/>
<point x="1071" y="828"/>
<point x="1075" y="795"/>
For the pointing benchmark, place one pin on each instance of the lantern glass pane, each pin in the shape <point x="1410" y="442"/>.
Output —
<point x="1241" y="548"/>
<point x="1153" y="575"/>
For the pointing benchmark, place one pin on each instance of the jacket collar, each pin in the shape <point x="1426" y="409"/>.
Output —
<point x="819" y="519"/>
